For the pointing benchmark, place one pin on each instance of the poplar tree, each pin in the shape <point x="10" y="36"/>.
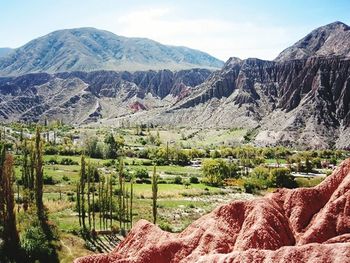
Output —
<point x="88" y="193"/>
<point x="131" y="198"/>
<point x="9" y="233"/>
<point x="78" y="204"/>
<point x="120" y="193"/>
<point x="154" y="194"/>
<point x="93" y="197"/>
<point x="110" y="201"/>
<point x="100" y="202"/>
<point x="82" y="191"/>
<point x="39" y="177"/>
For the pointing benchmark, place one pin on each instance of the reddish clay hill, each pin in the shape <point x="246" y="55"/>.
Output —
<point x="301" y="225"/>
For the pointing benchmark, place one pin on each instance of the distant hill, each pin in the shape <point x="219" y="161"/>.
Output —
<point x="90" y="49"/>
<point x="329" y="40"/>
<point x="4" y="51"/>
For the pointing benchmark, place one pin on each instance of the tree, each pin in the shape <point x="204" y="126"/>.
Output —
<point x="131" y="198"/>
<point x="39" y="178"/>
<point x="308" y="165"/>
<point x="215" y="171"/>
<point x="111" y="146"/>
<point x="261" y="172"/>
<point x="89" y="176"/>
<point x="82" y="191"/>
<point x="281" y="177"/>
<point x="8" y="217"/>
<point x="154" y="194"/>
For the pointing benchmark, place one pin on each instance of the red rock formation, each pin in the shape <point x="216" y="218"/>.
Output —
<point x="137" y="106"/>
<point x="301" y="225"/>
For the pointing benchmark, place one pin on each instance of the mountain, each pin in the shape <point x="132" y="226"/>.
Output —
<point x="329" y="40"/>
<point x="80" y="97"/>
<point x="303" y="103"/>
<point x="300" y="103"/>
<point x="289" y="225"/>
<point x="90" y="49"/>
<point x="5" y="51"/>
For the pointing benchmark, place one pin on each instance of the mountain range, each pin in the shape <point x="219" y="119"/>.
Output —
<point x="300" y="99"/>
<point x="90" y="49"/>
<point x="4" y="51"/>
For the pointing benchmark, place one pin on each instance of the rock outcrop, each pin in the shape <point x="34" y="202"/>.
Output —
<point x="301" y="225"/>
<point x="80" y="97"/>
<point x="295" y="103"/>
<point x="329" y="40"/>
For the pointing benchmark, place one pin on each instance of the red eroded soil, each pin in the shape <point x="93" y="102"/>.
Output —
<point x="300" y="225"/>
<point x="137" y="106"/>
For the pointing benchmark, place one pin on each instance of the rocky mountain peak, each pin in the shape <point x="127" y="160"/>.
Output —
<point x="329" y="40"/>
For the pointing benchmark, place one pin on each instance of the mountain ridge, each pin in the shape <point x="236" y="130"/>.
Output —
<point x="329" y="40"/>
<point x="4" y="51"/>
<point x="90" y="49"/>
<point x="303" y="103"/>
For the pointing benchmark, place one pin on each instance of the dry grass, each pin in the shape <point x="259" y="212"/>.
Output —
<point x="71" y="248"/>
<point x="57" y="206"/>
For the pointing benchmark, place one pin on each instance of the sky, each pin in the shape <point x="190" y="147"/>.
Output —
<point x="232" y="28"/>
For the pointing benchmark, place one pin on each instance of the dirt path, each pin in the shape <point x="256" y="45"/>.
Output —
<point x="67" y="247"/>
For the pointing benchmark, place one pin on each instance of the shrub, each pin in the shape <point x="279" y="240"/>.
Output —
<point x="250" y="187"/>
<point x="281" y="177"/>
<point x="53" y="160"/>
<point x="48" y="179"/>
<point x="166" y="227"/>
<point x="143" y="181"/>
<point x="35" y="245"/>
<point x="141" y="173"/>
<point x="68" y="161"/>
<point x="65" y="178"/>
<point x="178" y="180"/>
<point x="194" y="180"/>
<point x="51" y="150"/>
<point x="109" y="163"/>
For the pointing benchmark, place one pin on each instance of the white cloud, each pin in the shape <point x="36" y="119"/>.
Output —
<point x="217" y="37"/>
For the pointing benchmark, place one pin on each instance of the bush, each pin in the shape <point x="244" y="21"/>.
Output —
<point x="250" y="187"/>
<point x="53" y="160"/>
<point x="65" y="178"/>
<point x="191" y="206"/>
<point x="143" y="181"/>
<point x="165" y="226"/>
<point x="178" y="180"/>
<point x="68" y="161"/>
<point x="141" y="173"/>
<point x="109" y="163"/>
<point x="194" y="180"/>
<point x="35" y="245"/>
<point x="48" y="179"/>
<point x="51" y="150"/>
<point x="281" y="177"/>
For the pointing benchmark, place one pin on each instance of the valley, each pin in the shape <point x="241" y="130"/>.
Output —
<point x="124" y="149"/>
<point x="184" y="160"/>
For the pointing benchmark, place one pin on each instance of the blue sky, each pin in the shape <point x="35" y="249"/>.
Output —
<point x="222" y="28"/>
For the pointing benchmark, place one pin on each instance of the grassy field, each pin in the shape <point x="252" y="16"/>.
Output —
<point x="178" y="204"/>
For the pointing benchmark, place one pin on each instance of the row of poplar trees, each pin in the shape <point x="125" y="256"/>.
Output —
<point x="32" y="177"/>
<point x="100" y="203"/>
